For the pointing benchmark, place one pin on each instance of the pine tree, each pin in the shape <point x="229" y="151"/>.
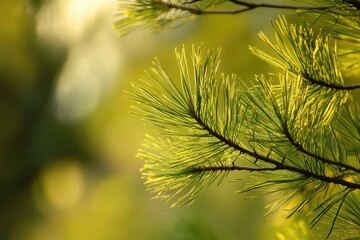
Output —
<point x="296" y="132"/>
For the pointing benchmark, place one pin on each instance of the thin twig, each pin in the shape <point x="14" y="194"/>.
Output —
<point x="301" y="148"/>
<point x="231" y="168"/>
<point x="247" y="7"/>
<point x="269" y="5"/>
<point x="329" y="85"/>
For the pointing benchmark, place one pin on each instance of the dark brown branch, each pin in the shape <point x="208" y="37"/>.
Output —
<point x="301" y="148"/>
<point x="230" y="168"/>
<point x="247" y="7"/>
<point x="354" y="3"/>
<point x="329" y="85"/>
<point x="269" y="5"/>
<point x="278" y="165"/>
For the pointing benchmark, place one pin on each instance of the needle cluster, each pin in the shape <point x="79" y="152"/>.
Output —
<point x="296" y="133"/>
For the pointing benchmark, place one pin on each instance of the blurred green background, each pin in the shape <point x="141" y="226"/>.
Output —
<point x="68" y="143"/>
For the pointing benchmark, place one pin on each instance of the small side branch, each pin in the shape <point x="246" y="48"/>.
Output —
<point x="247" y="6"/>
<point x="330" y="86"/>
<point x="231" y="168"/>
<point x="269" y="5"/>
<point x="301" y="148"/>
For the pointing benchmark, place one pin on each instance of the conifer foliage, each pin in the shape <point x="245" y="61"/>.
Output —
<point x="296" y="133"/>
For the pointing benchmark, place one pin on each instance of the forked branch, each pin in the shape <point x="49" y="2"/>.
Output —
<point x="277" y="165"/>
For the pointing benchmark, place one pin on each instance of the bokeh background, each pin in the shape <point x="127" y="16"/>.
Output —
<point x="68" y="169"/>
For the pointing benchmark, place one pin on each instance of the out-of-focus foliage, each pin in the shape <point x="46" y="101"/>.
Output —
<point x="26" y="73"/>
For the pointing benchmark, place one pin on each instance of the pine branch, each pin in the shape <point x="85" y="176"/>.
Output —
<point x="248" y="6"/>
<point x="314" y="57"/>
<point x="203" y="125"/>
<point x="194" y="111"/>
<point x="252" y="5"/>
<point x="330" y="85"/>
<point x="229" y="169"/>
<point x="290" y="131"/>
<point x="156" y="14"/>
<point x="267" y="159"/>
<point x="301" y="148"/>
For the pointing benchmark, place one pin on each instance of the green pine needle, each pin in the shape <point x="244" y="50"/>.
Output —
<point x="206" y="122"/>
<point x="299" y="139"/>
<point x="173" y="159"/>
<point x="155" y="14"/>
